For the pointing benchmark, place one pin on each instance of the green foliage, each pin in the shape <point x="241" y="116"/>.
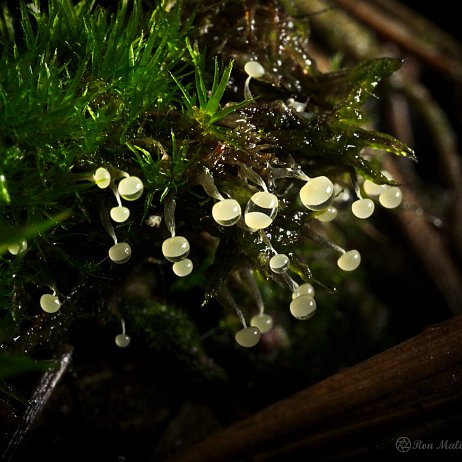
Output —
<point x="84" y="86"/>
<point x="10" y="236"/>
<point x="202" y="105"/>
<point x="82" y="71"/>
<point x="169" y="330"/>
<point x="15" y="364"/>
<point x="167" y="171"/>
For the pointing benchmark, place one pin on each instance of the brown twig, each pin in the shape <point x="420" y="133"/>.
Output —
<point x="431" y="356"/>
<point x="404" y="35"/>
<point x="435" y="404"/>
<point x="445" y="141"/>
<point x="339" y="31"/>
<point x="428" y="242"/>
<point x="433" y="245"/>
<point x="426" y="30"/>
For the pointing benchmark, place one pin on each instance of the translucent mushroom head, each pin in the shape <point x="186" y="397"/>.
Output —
<point x="317" y="193"/>
<point x="248" y="336"/>
<point x="261" y="210"/>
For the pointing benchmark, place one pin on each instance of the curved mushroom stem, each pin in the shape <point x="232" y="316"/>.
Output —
<point x="247" y="92"/>
<point x="116" y="194"/>
<point x="225" y="298"/>
<point x="169" y="213"/>
<point x="106" y="222"/>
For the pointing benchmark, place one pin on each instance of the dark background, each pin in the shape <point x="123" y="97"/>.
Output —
<point x="130" y="405"/>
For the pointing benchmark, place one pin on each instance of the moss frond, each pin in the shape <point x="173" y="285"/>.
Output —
<point x="149" y="99"/>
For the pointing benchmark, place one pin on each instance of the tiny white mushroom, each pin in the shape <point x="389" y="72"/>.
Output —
<point x="349" y="261"/>
<point x="183" y="268"/>
<point x="130" y="188"/>
<point x="363" y="208"/>
<point x="254" y="69"/>
<point x="248" y="336"/>
<point x="17" y="247"/>
<point x="317" y="193"/>
<point x="262" y="321"/>
<point x="120" y="253"/>
<point x="122" y="340"/>
<point x="226" y="212"/>
<point x="120" y="214"/>
<point x="175" y="248"/>
<point x="391" y="197"/>
<point x="328" y="214"/>
<point x="303" y="307"/>
<point x="50" y="303"/>
<point x="303" y="289"/>
<point x="279" y="263"/>
<point x="261" y="210"/>
<point x="102" y="177"/>
<point x="374" y="189"/>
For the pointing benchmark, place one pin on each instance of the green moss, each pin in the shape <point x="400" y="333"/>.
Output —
<point x="159" y="94"/>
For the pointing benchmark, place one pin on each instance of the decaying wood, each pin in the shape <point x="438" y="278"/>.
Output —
<point x="436" y="405"/>
<point x="422" y="373"/>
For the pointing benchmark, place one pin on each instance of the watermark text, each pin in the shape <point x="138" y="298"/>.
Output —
<point x="405" y="444"/>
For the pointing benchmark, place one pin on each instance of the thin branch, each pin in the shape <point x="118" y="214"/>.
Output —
<point x="38" y="401"/>
<point x="445" y="141"/>
<point x="427" y="31"/>
<point x="387" y="376"/>
<point x="404" y="35"/>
